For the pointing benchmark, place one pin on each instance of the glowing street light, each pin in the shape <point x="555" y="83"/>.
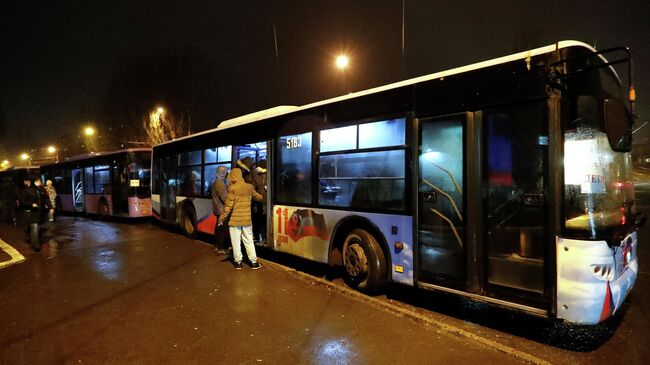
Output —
<point x="24" y="156"/>
<point x="342" y="62"/>
<point x="89" y="131"/>
<point x="160" y="110"/>
<point x="51" y="149"/>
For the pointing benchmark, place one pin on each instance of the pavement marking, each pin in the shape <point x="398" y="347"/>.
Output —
<point x="16" y="257"/>
<point x="413" y="315"/>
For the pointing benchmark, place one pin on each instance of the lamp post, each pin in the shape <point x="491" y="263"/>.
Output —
<point x="342" y="62"/>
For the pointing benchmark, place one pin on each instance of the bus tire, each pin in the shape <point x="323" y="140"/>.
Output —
<point x="102" y="210"/>
<point x="364" y="262"/>
<point x="188" y="221"/>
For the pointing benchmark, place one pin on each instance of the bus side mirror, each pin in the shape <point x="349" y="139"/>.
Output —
<point x="618" y="125"/>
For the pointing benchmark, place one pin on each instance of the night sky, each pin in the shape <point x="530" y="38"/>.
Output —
<point x="62" y="62"/>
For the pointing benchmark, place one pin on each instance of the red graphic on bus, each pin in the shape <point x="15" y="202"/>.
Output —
<point x="303" y="223"/>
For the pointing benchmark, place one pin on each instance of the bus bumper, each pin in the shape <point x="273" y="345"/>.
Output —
<point x="593" y="279"/>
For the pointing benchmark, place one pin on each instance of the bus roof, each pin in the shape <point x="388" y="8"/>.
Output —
<point x="281" y="110"/>
<point x="98" y="154"/>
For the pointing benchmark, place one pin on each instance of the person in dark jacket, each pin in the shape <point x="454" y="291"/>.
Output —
<point x="219" y="194"/>
<point x="30" y="206"/>
<point x="43" y="199"/>
<point x="259" y="208"/>
<point x="238" y="209"/>
<point x="8" y="199"/>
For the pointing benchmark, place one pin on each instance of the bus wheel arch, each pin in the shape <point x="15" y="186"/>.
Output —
<point x="188" y="219"/>
<point x="359" y="247"/>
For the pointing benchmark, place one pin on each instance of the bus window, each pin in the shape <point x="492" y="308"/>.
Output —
<point x="386" y="133"/>
<point x="295" y="169"/>
<point x="338" y="139"/>
<point x="102" y="181"/>
<point x="213" y="158"/>
<point x="365" y="180"/>
<point x="88" y="181"/>
<point x="189" y="158"/>
<point x="189" y="181"/>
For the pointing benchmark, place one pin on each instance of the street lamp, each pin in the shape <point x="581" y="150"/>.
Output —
<point x="89" y="131"/>
<point x="342" y="62"/>
<point x="26" y="157"/>
<point x="53" y="151"/>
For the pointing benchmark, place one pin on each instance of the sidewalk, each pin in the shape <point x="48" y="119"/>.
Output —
<point x="118" y="293"/>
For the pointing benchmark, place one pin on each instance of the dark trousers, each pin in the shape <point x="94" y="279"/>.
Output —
<point x="221" y="236"/>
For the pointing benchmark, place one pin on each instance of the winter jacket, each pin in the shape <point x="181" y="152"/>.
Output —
<point x="259" y="183"/>
<point x="51" y="194"/>
<point x="219" y="191"/>
<point x="29" y="198"/>
<point x="238" y="203"/>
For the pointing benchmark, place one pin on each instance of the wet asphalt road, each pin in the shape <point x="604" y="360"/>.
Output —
<point x="117" y="293"/>
<point x="105" y="292"/>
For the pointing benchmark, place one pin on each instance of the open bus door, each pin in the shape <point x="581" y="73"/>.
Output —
<point x="78" y="190"/>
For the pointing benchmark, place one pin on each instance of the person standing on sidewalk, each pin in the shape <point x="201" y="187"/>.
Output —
<point x="30" y="205"/>
<point x="51" y="194"/>
<point x="238" y="209"/>
<point x="219" y="195"/>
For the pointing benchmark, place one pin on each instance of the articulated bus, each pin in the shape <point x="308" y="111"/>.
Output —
<point x="506" y="181"/>
<point x="105" y="184"/>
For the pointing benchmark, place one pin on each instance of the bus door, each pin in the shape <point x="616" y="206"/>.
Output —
<point x="441" y="213"/>
<point x="119" y="189"/>
<point x="78" y="190"/>
<point x="515" y="188"/>
<point x="169" y="171"/>
<point x="258" y="153"/>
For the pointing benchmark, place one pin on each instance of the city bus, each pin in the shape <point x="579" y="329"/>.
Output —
<point x="105" y="184"/>
<point x="506" y="181"/>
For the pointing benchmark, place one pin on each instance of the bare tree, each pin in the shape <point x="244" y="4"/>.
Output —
<point x="160" y="126"/>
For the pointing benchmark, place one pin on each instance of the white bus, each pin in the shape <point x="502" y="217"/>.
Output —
<point x="506" y="181"/>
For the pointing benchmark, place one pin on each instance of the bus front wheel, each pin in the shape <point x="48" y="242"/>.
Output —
<point x="188" y="222"/>
<point x="364" y="262"/>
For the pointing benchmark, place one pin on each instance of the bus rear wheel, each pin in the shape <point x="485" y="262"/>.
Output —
<point x="364" y="262"/>
<point x="188" y="222"/>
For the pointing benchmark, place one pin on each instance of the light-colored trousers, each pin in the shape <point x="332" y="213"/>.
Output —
<point x="239" y="235"/>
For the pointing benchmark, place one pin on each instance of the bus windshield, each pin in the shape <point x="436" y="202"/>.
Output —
<point x="598" y="191"/>
<point x="140" y="174"/>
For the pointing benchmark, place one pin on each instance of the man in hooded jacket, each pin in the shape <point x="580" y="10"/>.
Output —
<point x="238" y="209"/>
<point x="219" y="195"/>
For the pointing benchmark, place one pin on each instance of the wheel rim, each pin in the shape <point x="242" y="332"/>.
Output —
<point x="355" y="259"/>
